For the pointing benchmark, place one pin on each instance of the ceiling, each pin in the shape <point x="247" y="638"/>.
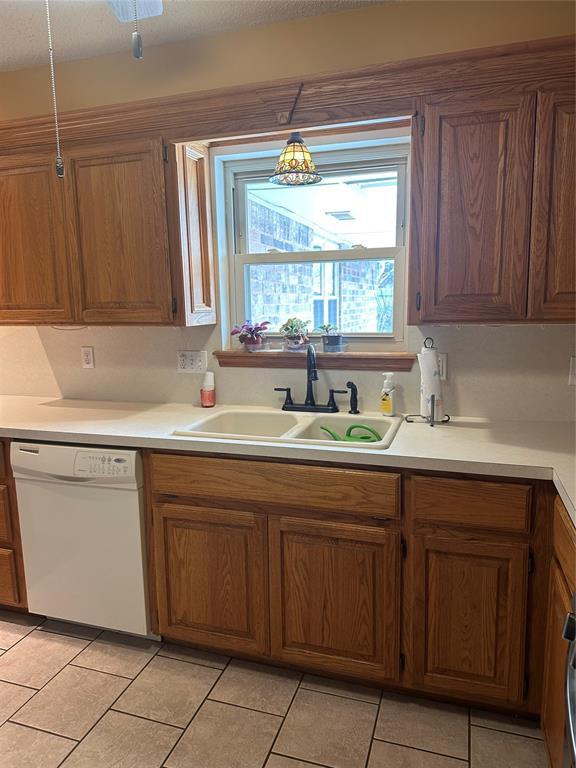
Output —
<point x="86" y="28"/>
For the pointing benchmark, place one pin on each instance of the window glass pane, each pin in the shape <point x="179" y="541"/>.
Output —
<point x="359" y="297"/>
<point x="346" y="209"/>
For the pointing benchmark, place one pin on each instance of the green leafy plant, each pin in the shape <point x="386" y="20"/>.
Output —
<point x="295" y="329"/>
<point x="328" y="329"/>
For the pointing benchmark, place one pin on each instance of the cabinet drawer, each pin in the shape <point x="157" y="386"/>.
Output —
<point x="472" y="503"/>
<point x="8" y="580"/>
<point x="564" y="542"/>
<point x="5" y="530"/>
<point x="330" y="489"/>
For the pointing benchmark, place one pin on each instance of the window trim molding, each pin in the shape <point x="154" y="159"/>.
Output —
<point x="231" y="247"/>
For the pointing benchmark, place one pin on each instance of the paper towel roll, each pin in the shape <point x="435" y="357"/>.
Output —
<point x="430" y="383"/>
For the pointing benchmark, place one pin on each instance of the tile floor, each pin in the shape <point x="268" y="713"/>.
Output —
<point x="75" y="697"/>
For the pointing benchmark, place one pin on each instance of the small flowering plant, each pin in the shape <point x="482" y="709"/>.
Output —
<point x="251" y="334"/>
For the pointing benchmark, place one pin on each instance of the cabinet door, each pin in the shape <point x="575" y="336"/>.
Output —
<point x="8" y="578"/>
<point x="552" y="294"/>
<point x="116" y="202"/>
<point x="212" y="577"/>
<point x="553" y="702"/>
<point x="477" y="174"/>
<point x="335" y="596"/>
<point x="468" y="615"/>
<point x="35" y="285"/>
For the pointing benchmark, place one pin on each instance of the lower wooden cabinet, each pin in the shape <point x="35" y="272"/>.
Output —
<point x="553" y="702"/>
<point x="335" y="596"/>
<point x="469" y="616"/>
<point x="9" y="594"/>
<point x="212" y="577"/>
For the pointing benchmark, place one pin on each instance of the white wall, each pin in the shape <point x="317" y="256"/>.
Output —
<point x="514" y="372"/>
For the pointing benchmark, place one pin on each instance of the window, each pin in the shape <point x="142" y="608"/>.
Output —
<point x="333" y="252"/>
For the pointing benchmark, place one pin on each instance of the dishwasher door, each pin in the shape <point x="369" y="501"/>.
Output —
<point x="569" y="633"/>
<point x="82" y="535"/>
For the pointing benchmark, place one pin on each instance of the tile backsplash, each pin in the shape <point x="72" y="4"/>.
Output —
<point x="499" y="372"/>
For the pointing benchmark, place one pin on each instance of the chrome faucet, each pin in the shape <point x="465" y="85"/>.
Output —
<point x="309" y="403"/>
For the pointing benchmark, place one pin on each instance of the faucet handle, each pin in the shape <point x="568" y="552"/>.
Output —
<point x="332" y="400"/>
<point x="288" y="399"/>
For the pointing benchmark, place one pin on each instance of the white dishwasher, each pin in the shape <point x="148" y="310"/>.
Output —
<point x="82" y="532"/>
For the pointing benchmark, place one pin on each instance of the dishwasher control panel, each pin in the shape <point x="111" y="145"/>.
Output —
<point x="102" y="464"/>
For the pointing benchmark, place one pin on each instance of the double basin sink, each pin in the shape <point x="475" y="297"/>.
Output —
<point x="270" y="425"/>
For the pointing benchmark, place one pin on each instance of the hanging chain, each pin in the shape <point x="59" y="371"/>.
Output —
<point x="136" y="37"/>
<point x="59" y="158"/>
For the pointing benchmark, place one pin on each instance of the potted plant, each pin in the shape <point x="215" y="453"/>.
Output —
<point x="251" y="335"/>
<point x="295" y="333"/>
<point x="332" y="339"/>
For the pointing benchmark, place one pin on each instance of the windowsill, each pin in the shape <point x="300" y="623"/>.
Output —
<point x="339" y="361"/>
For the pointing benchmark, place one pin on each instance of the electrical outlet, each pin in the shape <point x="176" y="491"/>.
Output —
<point x="87" y="357"/>
<point x="572" y="372"/>
<point x="443" y="365"/>
<point x="193" y="361"/>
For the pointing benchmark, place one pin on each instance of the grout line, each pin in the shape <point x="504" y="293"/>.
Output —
<point x="196" y="713"/>
<point x="342" y="696"/>
<point x="298" y="759"/>
<point x="420" y="749"/>
<point x="243" y="706"/>
<point x="112" y="708"/>
<point x="113" y="674"/>
<point x="283" y="717"/>
<point x="510" y="733"/>
<point x="371" y="743"/>
<point x="44" y="730"/>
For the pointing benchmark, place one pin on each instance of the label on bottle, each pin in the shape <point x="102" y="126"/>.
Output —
<point x="386" y="403"/>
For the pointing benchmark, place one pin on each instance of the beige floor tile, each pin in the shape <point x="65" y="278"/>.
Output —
<point x="489" y="749"/>
<point x="257" y="686"/>
<point x="278" y="761"/>
<point x="507" y="723"/>
<point x="168" y="690"/>
<point x="441" y="728"/>
<point x="72" y="702"/>
<point x="22" y="747"/>
<point x="66" y="628"/>
<point x="15" y="626"/>
<point x="341" y="688"/>
<point x="12" y="697"/>
<point x="385" y="755"/>
<point x="124" y="741"/>
<point x="195" y="655"/>
<point x="330" y="730"/>
<point x="38" y="657"/>
<point x="223" y="736"/>
<point x="118" y="654"/>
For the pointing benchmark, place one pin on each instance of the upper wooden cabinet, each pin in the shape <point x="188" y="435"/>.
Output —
<point x="493" y="208"/>
<point x="117" y="209"/>
<point x="124" y="238"/>
<point x="35" y="284"/>
<point x="552" y="283"/>
<point x="476" y="196"/>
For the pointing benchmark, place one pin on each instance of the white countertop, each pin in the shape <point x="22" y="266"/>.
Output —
<point x="530" y="449"/>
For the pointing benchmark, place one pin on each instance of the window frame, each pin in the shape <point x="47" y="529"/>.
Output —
<point x="237" y="173"/>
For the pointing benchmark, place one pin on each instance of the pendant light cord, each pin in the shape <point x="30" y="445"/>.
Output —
<point x="136" y="16"/>
<point x="59" y="159"/>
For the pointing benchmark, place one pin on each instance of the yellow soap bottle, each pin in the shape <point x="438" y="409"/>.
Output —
<point x="388" y="395"/>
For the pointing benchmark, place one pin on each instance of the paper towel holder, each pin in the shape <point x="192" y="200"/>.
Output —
<point x="431" y="420"/>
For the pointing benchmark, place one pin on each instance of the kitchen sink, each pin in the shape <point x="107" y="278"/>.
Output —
<point x="292" y="428"/>
<point x="241" y="424"/>
<point x="311" y="431"/>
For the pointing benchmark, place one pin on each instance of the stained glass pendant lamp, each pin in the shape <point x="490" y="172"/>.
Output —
<point x="295" y="166"/>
